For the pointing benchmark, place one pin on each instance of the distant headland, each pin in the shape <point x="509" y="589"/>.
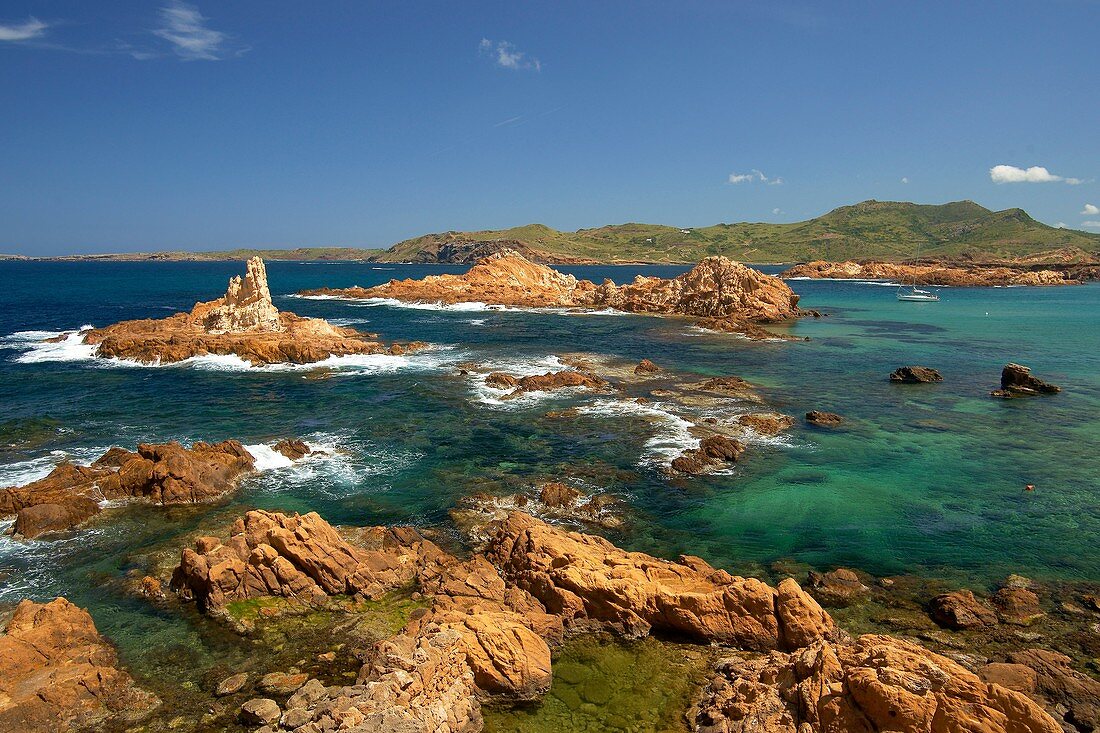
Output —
<point x="890" y="231"/>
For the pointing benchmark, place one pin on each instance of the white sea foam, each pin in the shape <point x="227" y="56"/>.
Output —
<point x="673" y="435"/>
<point x="37" y="346"/>
<point x="36" y="349"/>
<point x="21" y="473"/>
<point x="494" y="396"/>
<point x="340" y="467"/>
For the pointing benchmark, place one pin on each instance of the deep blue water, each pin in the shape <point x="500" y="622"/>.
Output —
<point x="924" y="479"/>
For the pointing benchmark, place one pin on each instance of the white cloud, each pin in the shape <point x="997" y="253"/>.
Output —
<point x="29" y="29"/>
<point x="776" y="211"/>
<point x="905" y="179"/>
<point x="753" y="176"/>
<point x="1090" y="210"/>
<point x="1091" y="224"/>
<point x="185" y="28"/>
<point x="506" y="55"/>
<point x="1034" y="174"/>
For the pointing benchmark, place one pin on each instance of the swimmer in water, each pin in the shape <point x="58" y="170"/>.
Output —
<point x="1029" y="487"/>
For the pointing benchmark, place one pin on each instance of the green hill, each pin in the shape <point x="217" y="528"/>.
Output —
<point x="886" y="230"/>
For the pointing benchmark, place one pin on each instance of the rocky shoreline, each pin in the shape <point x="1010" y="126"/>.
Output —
<point x="946" y="274"/>
<point x="487" y="631"/>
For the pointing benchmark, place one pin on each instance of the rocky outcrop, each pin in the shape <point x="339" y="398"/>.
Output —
<point x="839" y="587"/>
<point x="823" y="419"/>
<point x="714" y="451"/>
<point x="915" y="375"/>
<point x="716" y="288"/>
<point x="299" y="557"/>
<point x="1074" y="696"/>
<point x="1017" y="606"/>
<point x="1016" y="381"/>
<point x="645" y="366"/>
<point x="476" y="516"/>
<point x="503" y="278"/>
<point x="585" y="579"/>
<point x="929" y="274"/>
<point x="244" y="322"/>
<point x="961" y="610"/>
<point x="766" y="423"/>
<point x="58" y="674"/>
<point x="876" y="683"/>
<point x="165" y="473"/>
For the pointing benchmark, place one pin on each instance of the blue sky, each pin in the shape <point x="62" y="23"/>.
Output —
<point x="157" y="125"/>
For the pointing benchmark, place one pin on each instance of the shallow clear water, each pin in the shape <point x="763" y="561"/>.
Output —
<point x="925" y="479"/>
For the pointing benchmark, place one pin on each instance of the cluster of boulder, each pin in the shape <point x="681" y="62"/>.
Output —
<point x="492" y="619"/>
<point x="245" y="323"/>
<point x="160" y="473"/>
<point x="726" y="295"/>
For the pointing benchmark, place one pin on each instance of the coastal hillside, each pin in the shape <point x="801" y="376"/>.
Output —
<point x="885" y="230"/>
<point x="879" y="230"/>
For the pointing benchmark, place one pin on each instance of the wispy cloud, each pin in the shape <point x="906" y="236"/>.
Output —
<point x="1091" y="224"/>
<point x="753" y="176"/>
<point x="28" y="30"/>
<point x="1090" y="210"/>
<point x="1034" y="174"/>
<point x="509" y="121"/>
<point x="506" y="55"/>
<point x="183" y="26"/>
<point x="905" y="179"/>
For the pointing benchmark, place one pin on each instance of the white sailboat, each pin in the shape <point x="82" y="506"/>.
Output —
<point x="914" y="294"/>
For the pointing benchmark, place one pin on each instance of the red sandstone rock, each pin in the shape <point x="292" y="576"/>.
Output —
<point x="243" y="322"/>
<point x="586" y="578"/>
<point x="164" y="473"/>
<point x="877" y="683"/>
<point x="932" y="274"/>
<point x="57" y="673"/>
<point x="766" y="423"/>
<point x="645" y="366"/>
<point x="713" y="452"/>
<point x="715" y="288"/>
<point x="961" y="610"/>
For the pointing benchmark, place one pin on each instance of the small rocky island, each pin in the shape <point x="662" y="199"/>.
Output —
<point x="956" y="275"/>
<point x="164" y="474"/>
<point x="244" y="323"/>
<point x="719" y="293"/>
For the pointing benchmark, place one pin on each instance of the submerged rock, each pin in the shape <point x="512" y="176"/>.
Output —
<point x="766" y="423"/>
<point x="823" y="419"/>
<point x="1018" y="606"/>
<point x="1016" y="381"/>
<point x="839" y="587"/>
<point x="57" y="673"/>
<point x="244" y="322"/>
<point x="876" y="683"/>
<point x="162" y="473"/>
<point x="915" y="375"/>
<point x="961" y="610"/>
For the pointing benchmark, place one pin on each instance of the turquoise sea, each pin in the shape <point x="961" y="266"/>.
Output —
<point x="924" y="479"/>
